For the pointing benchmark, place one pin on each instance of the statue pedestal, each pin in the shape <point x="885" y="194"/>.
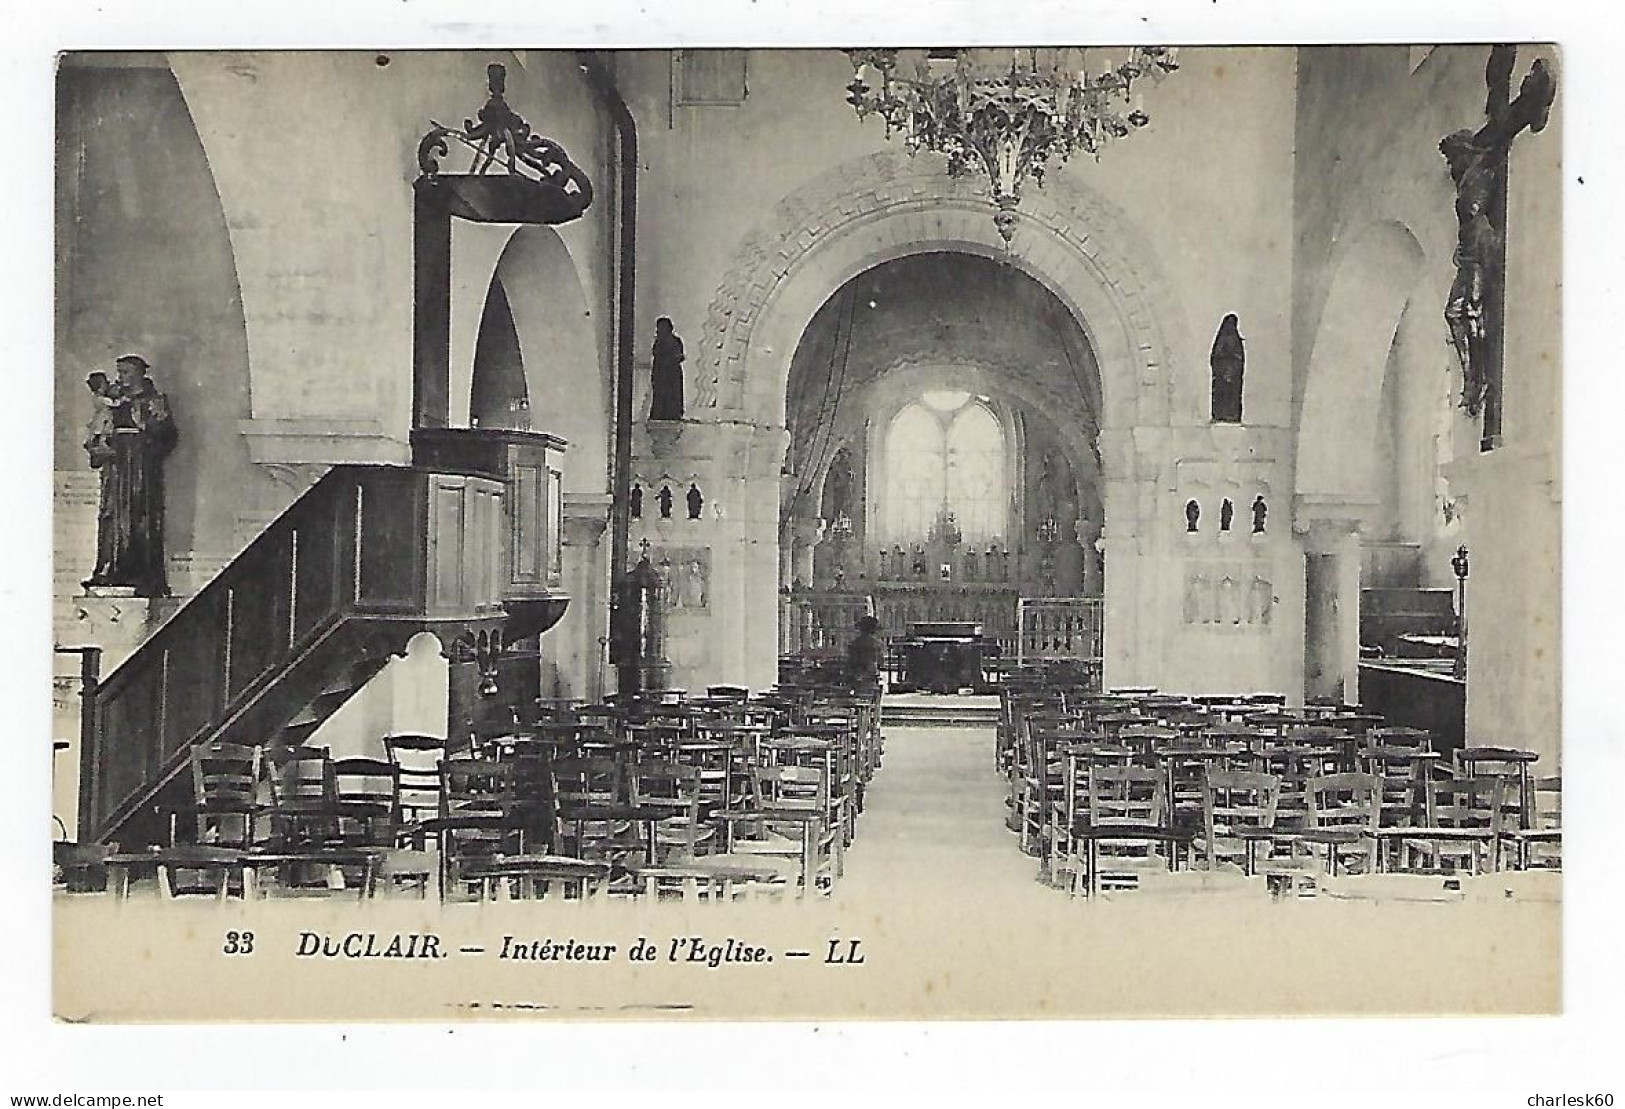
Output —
<point x="110" y="617"/>
<point x="663" y="436"/>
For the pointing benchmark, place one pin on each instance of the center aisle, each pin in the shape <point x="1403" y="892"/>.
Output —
<point x="935" y="814"/>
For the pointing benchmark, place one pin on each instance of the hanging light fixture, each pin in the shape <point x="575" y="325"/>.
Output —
<point x="1013" y="114"/>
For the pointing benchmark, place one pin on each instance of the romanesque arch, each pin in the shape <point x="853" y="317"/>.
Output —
<point x="888" y="205"/>
<point x="1372" y="283"/>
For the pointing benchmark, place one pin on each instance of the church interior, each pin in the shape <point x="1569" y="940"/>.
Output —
<point x="666" y="473"/>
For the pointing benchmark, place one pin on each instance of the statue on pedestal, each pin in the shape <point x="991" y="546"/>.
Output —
<point x="666" y="376"/>
<point x="128" y="437"/>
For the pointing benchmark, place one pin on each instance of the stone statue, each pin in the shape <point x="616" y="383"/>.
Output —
<point x="1229" y="602"/>
<point x="1228" y="360"/>
<point x="1227" y="513"/>
<point x="838" y="486"/>
<point x="1262" y="602"/>
<point x="696" y="501"/>
<point x="666" y="377"/>
<point x="1477" y="161"/>
<point x="130" y="433"/>
<point x="635" y="502"/>
<point x="1193" y="598"/>
<point x="1193" y="513"/>
<point x="665" y="498"/>
<point x="1261" y="512"/>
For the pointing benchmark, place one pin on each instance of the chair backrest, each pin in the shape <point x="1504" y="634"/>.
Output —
<point x="1548" y="814"/>
<point x="792" y="787"/>
<point x="1234" y="801"/>
<point x="1346" y="800"/>
<point x="371" y="786"/>
<point x="417" y="761"/>
<point x="225" y="791"/>
<point x="1127" y="795"/>
<point x="586" y="781"/>
<point x="301" y="774"/>
<point x="1478" y="802"/>
<point x="476" y="787"/>
<point x="1415" y="738"/>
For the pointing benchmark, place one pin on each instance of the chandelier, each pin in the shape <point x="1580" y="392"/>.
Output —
<point x="1010" y="113"/>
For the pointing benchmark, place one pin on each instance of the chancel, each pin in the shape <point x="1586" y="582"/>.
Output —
<point x="490" y="509"/>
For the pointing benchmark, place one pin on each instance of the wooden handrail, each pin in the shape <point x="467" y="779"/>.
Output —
<point x="390" y="544"/>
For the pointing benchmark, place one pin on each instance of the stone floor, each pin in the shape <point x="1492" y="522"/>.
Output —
<point x="935" y="812"/>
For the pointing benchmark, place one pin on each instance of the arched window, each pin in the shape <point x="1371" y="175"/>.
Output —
<point x="915" y="465"/>
<point x="946" y="450"/>
<point x="977" y="490"/>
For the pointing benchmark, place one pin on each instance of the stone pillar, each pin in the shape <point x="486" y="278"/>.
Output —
<point x="577" y="646"/>
<point x="807" y="531"/>
<point x="1331" y="617"/>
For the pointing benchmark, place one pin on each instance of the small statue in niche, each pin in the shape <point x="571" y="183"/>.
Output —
<point x="130" y="433"/>
<point x="1228" y="361"/>
<point x="694" y="584"/>
<point x="919" y="561"/>
<point x="1229" y="602"/>
<point x="696" y="501"/>
<point x="634" y="502"/>
<point x="1261" y="512"/>
<point x="1193" y="598"/>
<point x="838" y="486"/>
<point x="1193" y="513"/>
<point x="1227" y="512"/>
<point x="665" y="498"/>
<point x="1261" y="602"/>
<point x="666" y="374"/>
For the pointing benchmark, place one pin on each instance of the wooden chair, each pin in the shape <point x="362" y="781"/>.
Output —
<point x="227" y="781"/>
<point x="1127" y="833"/>
<point x="1464" y="832"/>
<point x="226" y="793"/>
<point x="1511" y="763"/>
<point x="416" y="759"/>
<point x="366" y="793"/>
<point x="302" y="810"/>
<point x="1404" y="773"/>
<point x="788" y="816"/>
<point x="673" y="790"/>
<point x="592" y="796"/>
<point x="1540" y="846"/>
<point x="1345" y="810"/>
<point x="1238" y="814"/>
<point x="474" y="824"/>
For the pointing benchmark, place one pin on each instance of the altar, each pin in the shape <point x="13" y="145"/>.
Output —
<point x="942" y="657"/>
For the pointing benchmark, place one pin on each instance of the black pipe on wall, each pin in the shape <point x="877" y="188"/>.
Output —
<point x="602" y="79"/>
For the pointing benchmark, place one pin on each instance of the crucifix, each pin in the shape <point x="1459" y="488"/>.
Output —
<point x="1476" y="308"/>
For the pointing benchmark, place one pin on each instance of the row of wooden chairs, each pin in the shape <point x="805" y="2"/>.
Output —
<point x="1086" y="769"/>
<point x="720" y="796"/>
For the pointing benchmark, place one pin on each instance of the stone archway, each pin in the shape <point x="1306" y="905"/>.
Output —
<point x="1373" y="282"/>
<point x="885" y="206"/>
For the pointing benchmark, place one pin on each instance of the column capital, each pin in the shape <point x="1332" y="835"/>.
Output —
<point x="585" y="517"/>
<point x="1326" y="524"/>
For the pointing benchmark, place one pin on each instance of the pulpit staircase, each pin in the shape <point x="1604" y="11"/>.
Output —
<point x="314" y="607"/>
